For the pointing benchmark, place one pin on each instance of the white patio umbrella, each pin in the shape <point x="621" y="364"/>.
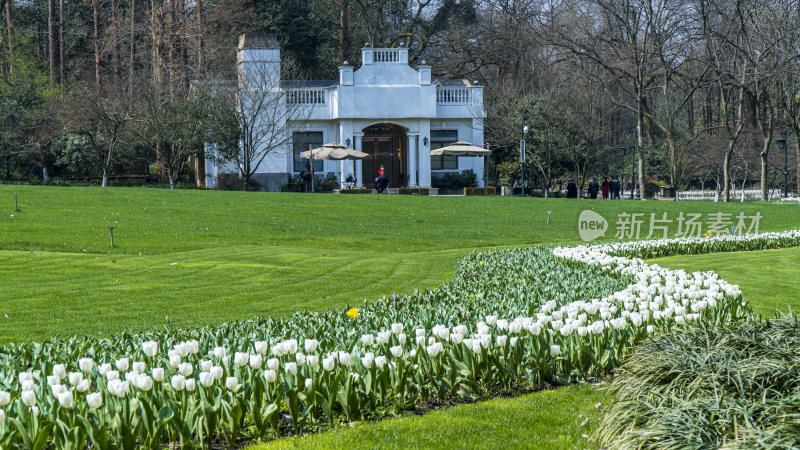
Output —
<point x="462" y="148"/>
<point x="333" y="151"/>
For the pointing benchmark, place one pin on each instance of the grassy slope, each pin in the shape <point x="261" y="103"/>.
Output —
<point x="242" y="254"/>
<point x="547" y="419"/>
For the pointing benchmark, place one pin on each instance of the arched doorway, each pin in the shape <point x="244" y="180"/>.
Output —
<point x="386" y="144"/>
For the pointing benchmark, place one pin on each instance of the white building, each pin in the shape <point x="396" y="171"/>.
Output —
<point x="386" y="108"/>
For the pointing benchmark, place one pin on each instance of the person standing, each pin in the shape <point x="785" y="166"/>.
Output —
<point x="594" y="188"/>
<point x="572" y="188"/>
<point x="604" y="187"/>
<point x="614" y="186"/>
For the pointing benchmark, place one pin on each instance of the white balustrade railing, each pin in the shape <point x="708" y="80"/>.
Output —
<point x="386" y="55"/>
<point x="453" y="95"/>
<point x="305" y="96"/>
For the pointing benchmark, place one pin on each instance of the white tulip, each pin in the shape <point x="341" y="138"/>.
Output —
<point x="311" y="345"/>
<point x="256" y="361"/>
<point x="312" y="360"/>
<point x="397" y="328"/>
<point x="139" y="367"/>
<point x="555" y="350"/>
<point x="175" y="361"/>
<point x="328" y="364"/>
<point x="191" y="384"/>
<point x="273" y="363"/>
<point x="401" y="338"/>
<point x="66" y="400"/>
<point x="261" y="347"/>
<point x="217" y="372"/>
<point x="178" y="382"/>
<point x="309" y="383"/>
<point x="144" y="382"/>
<point x="383" y="337"/>
<point x="60" y="371"/>
<point x="367" y="339"/>
<point x="513" y="341"/>
<point x="501" y="340"/>
<point x="380" y="361"/>
<point x="220" y="352"/>
<point x="103" y="369"/>
<point x="344" y="358"/>
<point x="241" y="359"/>
<point x="396" y="351"/>
<point x="291" y="368"/>
<point x="123" y="364"/>
<point x="53" y="380"/>
<point x="112" y="375"/>
<point x="35" y="410"/>
<point x="5" y="398"/>
<point x="28" y="385"/>
<point x="300" y="359"/>
<point x="58" y="389"/>
<point x="491" y="320"/>
<point x="94" y="400"/>
<point x="25" y="376"/>
<point x="83" y="386"/>
<point x="232" y="383"/>
<point x="271" y="376"/>
<point x="150" y="348"/>
<point x="158" y="373"/>
<point x="206" y="379"/>
<point x="28" y="398"/>
<point x="368" y="359"/>
<point x="185" y="369"/>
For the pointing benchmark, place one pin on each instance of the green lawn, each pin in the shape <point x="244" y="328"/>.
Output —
<point x="543" y="420"/>
<point x="769" y="279"/>
<point x="205" y="257"/>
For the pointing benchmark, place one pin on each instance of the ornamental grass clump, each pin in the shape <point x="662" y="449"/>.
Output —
<point x="710" y="387"/>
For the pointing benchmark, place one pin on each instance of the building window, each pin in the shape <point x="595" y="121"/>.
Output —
<point x="439" y="139"/>
<point x="302" y="141"/>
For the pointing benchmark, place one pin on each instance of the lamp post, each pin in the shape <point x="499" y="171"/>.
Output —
<point x="782" y="146"/>
<point x="622" y="166"/>
<point x="522" y="130"/>
<point x="633" y="171"/>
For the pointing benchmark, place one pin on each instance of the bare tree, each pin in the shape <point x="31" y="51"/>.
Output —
<point x="174" y="128"/>
<point x="265" y="117"/>
<point x="103" y="118"/>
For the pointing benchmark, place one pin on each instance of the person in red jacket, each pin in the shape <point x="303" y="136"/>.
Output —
<point x="604" y="187"/>
<point x="380" y="171"/>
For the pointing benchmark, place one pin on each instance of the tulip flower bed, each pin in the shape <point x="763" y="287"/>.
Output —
<point x="518" y="317"/>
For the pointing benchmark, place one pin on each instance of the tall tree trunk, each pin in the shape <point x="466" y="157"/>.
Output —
<point x="170" y="30"/>
<point x="96" y="19"/>
<point x="764" y="166"/>
<point x="201" y="33"/>
<point x="51" y="42"/>
<point x="132" y="55"/>
<point x="726" y="170"/>
<point x="156" y="23"/>
<point x="10" y="29"/>
<point x="796" y="131"/>
<point x="61" y="62"/>
<point x="115" y="26"/>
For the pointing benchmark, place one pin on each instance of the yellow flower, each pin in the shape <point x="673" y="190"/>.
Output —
<point x="353" y="313"/>
<point x="708" y="233"/>
<point x="481" y="262"/>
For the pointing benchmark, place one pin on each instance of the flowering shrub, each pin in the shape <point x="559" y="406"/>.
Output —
<point x="509" y="317"/>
